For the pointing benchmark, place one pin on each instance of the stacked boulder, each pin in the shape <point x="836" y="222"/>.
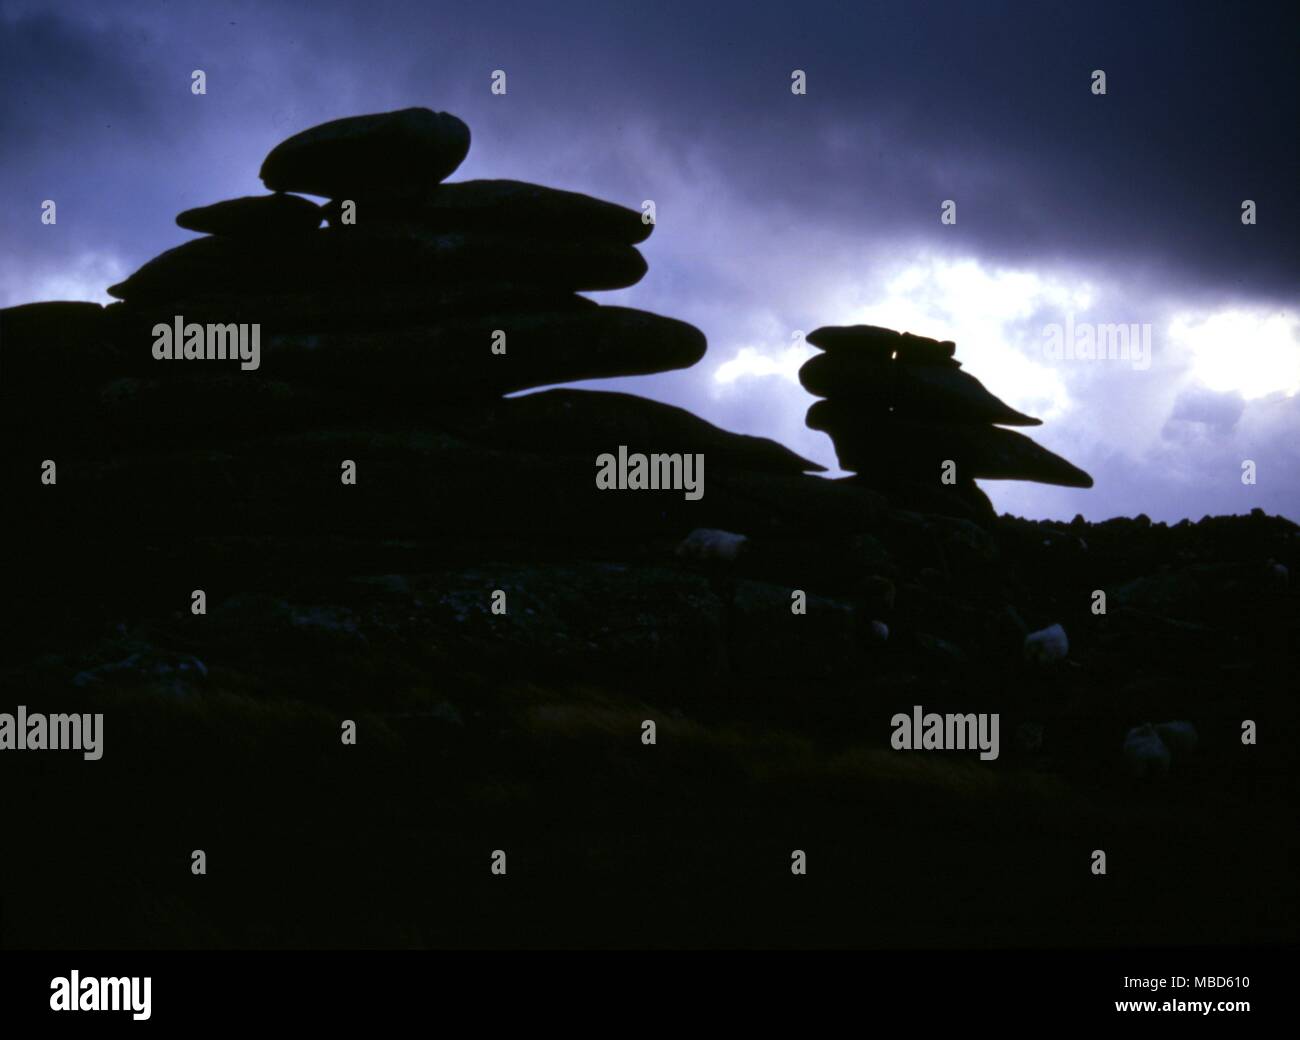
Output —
<point x="387" y="338"/>
<point x="413" y="276"/>
<point x="907" y="420"/>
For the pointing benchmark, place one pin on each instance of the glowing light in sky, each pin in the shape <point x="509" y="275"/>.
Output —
<point x="1254" y="353"/>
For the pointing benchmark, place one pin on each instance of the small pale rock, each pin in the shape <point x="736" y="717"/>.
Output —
<point x="707" y="543"/>
<point x="1047" y="645"/>
<point x="1146" y="754"/>
<point x="1278" y="575"/>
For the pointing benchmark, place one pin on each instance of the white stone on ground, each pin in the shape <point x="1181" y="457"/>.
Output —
<point x="708" y="543"/>
<point x="1047" y="645"/>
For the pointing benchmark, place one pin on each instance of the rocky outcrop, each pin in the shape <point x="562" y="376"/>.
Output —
<point x="906" y="418"/>
<point x="500" y="629"/>
<point x="388" y="339"/>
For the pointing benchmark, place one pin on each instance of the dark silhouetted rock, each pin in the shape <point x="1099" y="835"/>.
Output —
<point x="380" y="257"/>
<point x="55" y="323"/>
<point x="919" y="391"/>
<point x="54" y="344"/>
<point x="412" y="482"/>
<point x="254" y="216"/>
<point x="589" y="422"/>
<point x="366" y="154"/>
<point x="907" y="420"/>
<point x="882" y="344"/>
<point x="354" y="309"/>
<point x="872" y="444"/>
<point x="51" y="355"/>
<point x="405" y="308"/>
<point x="452" y="359"/>
<point x="211" y="408"/>
<point x="505" y="207"/>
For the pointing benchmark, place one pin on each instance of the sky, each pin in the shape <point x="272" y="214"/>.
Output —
<point x="776" y="212"/>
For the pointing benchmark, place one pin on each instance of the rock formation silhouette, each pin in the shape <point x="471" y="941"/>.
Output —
<point x="396" y="330"/>
<point x="388" y="337"/>
<point x="900" y="410"/>
<point x="769" y="629"/>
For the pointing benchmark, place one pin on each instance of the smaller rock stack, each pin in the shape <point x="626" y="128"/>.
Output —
<point x="898" y="408"/>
